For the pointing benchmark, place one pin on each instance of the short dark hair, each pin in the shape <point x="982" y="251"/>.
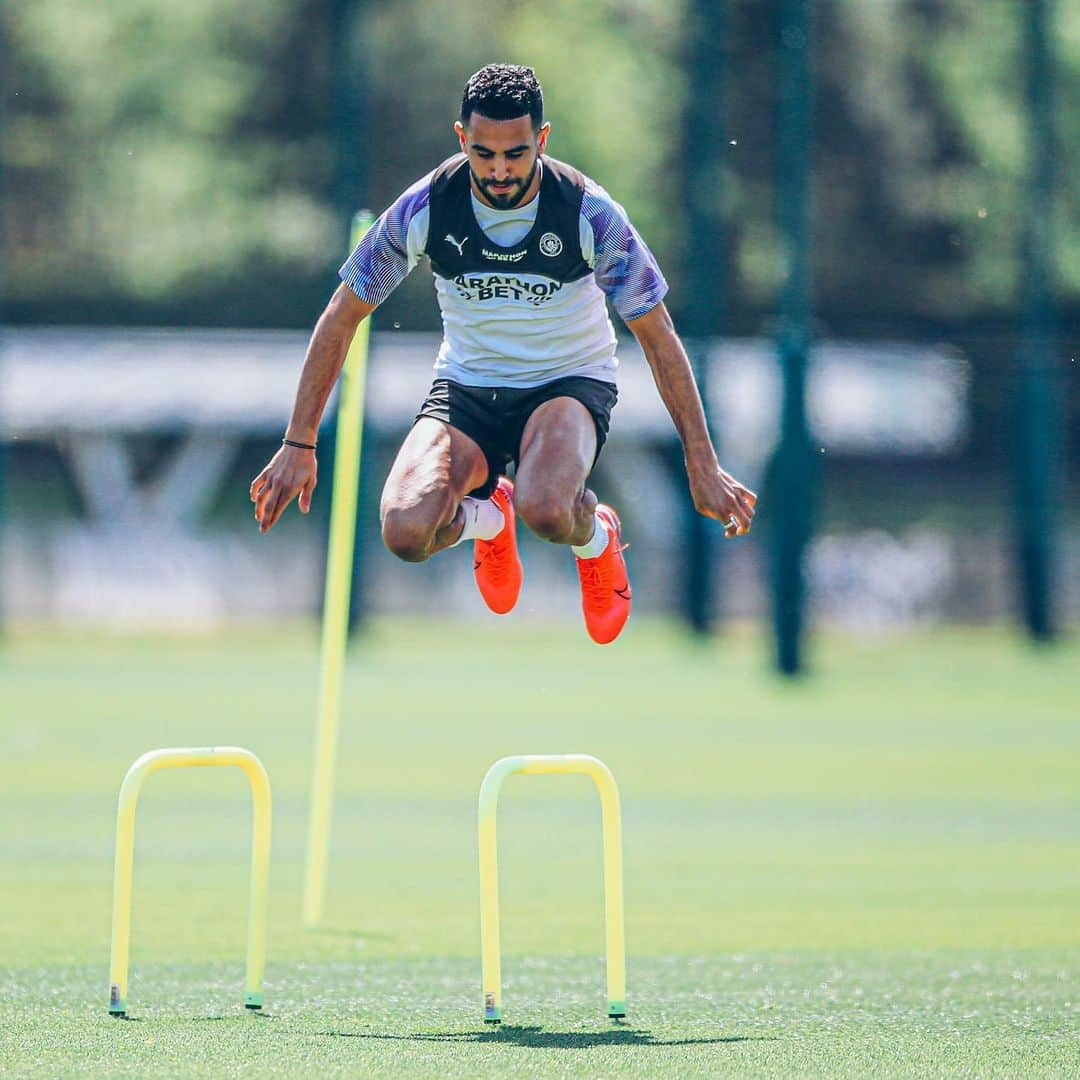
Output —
<point x="503" y="92"/>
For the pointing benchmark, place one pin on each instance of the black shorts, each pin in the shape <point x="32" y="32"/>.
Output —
<point x="494" y="417"/>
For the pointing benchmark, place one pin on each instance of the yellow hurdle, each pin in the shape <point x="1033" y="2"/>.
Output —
<point x="535" y="764"/>
<point x="125" y="857"/>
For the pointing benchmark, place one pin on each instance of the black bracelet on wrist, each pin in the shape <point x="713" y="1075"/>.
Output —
<point x="298" y="445"/>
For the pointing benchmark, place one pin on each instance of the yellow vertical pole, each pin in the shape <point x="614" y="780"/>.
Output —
<point x="260" y="877"/>
<point x="613" y="888"/>
<point x="123" y="863"/>
<point x="615" y="938"/>
<point x="335" y="628"/>
<point x="127" y="805"/>
<point x="490" y="949"/>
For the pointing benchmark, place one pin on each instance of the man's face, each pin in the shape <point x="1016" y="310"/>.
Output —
<point x="503" y="157"/>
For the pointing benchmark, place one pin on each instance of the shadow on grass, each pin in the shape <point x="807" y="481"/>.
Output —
<point x="345" y="932"/>
<point x="255" y="1014"/>
<point x="535" y="1036"/>
<point x="216" y="1019"/>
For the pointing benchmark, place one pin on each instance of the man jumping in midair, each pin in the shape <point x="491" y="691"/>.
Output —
<point x="525" y="251"/>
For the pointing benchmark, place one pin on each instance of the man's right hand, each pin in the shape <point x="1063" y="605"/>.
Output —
<point x="290" y="472"/>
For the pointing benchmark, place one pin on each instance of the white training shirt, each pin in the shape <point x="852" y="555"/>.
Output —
<point x="510" y="341"/>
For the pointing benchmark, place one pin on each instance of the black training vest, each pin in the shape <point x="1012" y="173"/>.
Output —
<point x="552" y="248"/>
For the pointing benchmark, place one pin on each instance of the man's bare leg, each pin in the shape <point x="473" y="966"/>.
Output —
<point x="557" y="450"/>
<point x="436" y="467"/>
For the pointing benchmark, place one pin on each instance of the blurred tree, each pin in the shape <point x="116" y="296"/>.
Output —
<point x="919" y="169"/>
<point x="159" y="151"/>
<point x="701" y="306"/>
<point x="1038" y="443"/>
<point x="176" y="162"/>
<point x="792" y="486"/>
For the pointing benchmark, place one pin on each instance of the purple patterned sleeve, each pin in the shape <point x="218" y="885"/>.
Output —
<point x="381" y="262"/>
<point x="623" y="265"/>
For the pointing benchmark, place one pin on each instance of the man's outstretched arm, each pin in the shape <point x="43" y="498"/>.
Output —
<point x="716" y="493"/>
<point x="293" y="471"/>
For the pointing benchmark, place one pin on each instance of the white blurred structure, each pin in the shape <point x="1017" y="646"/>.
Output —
<point x="142" y="552"/>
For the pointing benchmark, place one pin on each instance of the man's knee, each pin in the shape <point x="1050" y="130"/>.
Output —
<point x="549" y="516"/>
<point x="407" y="535"/>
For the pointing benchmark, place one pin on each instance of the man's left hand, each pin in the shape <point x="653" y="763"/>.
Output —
<point x="717" y="494"/>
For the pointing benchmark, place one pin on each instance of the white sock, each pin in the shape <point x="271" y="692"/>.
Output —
<point x="483" y="520"/>
<point x="596" y="545"/>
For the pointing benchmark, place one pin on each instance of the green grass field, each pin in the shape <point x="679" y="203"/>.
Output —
<point x="873" y="872"/>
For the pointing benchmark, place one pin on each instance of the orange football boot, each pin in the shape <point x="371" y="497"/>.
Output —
<point x="496" y="564"/>
<point x="605" y="586"/>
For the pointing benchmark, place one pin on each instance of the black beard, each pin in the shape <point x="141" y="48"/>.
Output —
<point x="512" y="197"/>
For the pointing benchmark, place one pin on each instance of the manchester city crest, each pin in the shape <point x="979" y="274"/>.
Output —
<point x="550" y="244"/>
